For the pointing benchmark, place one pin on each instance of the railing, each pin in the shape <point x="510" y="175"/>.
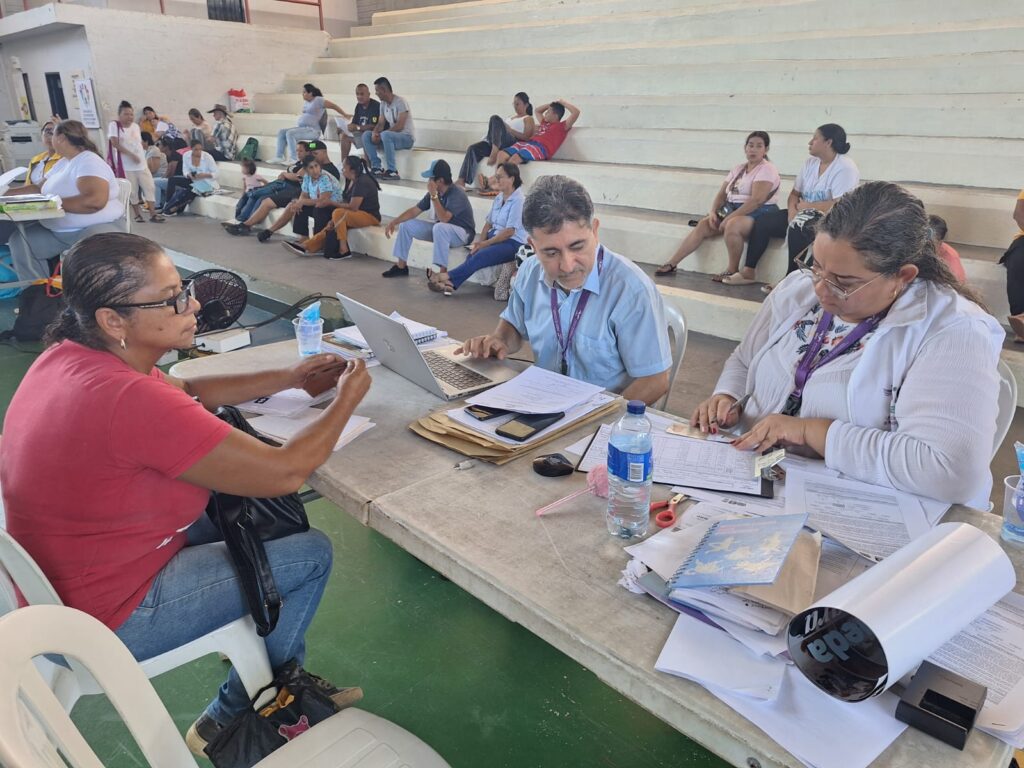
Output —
<point x="318" y="4"/>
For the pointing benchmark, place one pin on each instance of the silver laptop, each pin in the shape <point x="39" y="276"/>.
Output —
<point x="438" y="370"/>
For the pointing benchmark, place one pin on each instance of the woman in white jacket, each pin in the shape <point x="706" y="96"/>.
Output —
<point x="872" y="357"/>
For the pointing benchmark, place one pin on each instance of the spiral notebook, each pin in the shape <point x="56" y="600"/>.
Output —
<point x="739" y="552"/>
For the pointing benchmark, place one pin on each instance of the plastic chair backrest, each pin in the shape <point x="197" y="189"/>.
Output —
<point x="676" y="322"/>
<point x="24" y="572"/>
<point x="1007" y="403"/>
<point x="124" y="197"/>
<point x="26" y="702"/>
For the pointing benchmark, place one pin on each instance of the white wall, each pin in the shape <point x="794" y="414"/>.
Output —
<point x="339" y="15"/>
<point x="170" y="62"/>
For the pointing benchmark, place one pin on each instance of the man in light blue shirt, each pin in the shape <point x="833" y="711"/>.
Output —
<point x="587" y="312"/>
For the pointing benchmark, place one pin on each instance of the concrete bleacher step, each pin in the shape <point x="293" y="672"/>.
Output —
<point x="675" y="24"/>
<point x="933" y="160"/>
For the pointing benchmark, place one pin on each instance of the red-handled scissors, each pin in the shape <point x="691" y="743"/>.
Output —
<point x="666" y="517"/>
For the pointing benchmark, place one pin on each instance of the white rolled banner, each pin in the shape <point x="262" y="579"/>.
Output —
<point x="862" y="638"/>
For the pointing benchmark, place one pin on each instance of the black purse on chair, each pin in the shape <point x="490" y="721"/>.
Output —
<point x="245" y="524"/>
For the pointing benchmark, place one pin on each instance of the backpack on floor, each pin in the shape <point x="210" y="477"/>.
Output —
<point x="7" y="274"/>
<point x="249" y="150"/>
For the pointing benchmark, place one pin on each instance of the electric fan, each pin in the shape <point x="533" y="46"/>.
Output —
<point x="223" y="296"/>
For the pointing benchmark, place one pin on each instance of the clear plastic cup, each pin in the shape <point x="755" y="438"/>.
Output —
<point x="1013" y="526"/>
<point x="310" y="337"/>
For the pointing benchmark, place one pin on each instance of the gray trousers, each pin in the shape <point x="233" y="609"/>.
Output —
<point x="33" y="245"/>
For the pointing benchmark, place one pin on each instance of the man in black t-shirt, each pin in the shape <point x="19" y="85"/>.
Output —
<point x="363" y="120"/>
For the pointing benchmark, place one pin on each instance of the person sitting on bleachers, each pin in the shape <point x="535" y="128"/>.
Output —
<point x="946" y="252"/>
<point x="225" y="136"/>
<point x="609" y="328"/>
<point x="501" y="237"/>
<point x="158" y="126"/>
<point x="1013" y="260"/>
<point x="501" y="132"/>
<point x="749" y="191"/>
<point x="108" y="464"/>
<point x="362" y="121"/>
<point x="320" y="193"/>
<point x="309" y="125"/>
<point x="873" y="357"/>
<point x="200" y="131"/>
<point x="550" y="133"/>
<point x="199" y="177"/>
<point x="172" y="168"/>
<point x="44" y="163"/>
<point x="257" y="204"/>
<point x="452" y="223"/>
<point x="394" y="131"/>
<point x="89" y="196"/>
<point x="319" y="150"/>
<point x="359" y="207"/>
<point x="827" y="175"/>
<point x="156" y="161"/>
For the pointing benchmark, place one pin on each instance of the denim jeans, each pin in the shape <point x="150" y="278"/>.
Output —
<point x="391" y="141"/>
<point x="443" y="236"/>
<point x="199" y="591"/>
<point x="291" y="137"/>
<point x="160" y="183"/>
<point x="499" y="253"/>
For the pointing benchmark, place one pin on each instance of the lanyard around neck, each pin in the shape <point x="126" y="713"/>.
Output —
<point x="565" y="341"/>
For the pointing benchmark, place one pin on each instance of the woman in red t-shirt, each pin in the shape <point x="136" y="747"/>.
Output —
<point x="107" y="464"/>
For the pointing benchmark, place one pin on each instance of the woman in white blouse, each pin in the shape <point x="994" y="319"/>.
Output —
<point x="749" y="192"/>
<point x="88" y="193"/>
<point x="501" y="132"/>
<point x="871" y="356"/>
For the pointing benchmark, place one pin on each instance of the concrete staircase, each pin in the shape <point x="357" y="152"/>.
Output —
<point x="669" y="89"/>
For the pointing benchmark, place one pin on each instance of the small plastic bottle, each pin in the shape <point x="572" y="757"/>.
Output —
<point x="630" y="470"/>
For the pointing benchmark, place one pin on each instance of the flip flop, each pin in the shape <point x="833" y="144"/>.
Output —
<point x="720" y="277"/>
<point x="666" y="269"/>
<point x="737" y="278"/>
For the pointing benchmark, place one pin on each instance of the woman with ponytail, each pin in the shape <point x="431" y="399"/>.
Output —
<point x="501" y="132"/>
<point x="361" y="208"/>
<point x="871" y="356"/>
<point x="88" y="193"/>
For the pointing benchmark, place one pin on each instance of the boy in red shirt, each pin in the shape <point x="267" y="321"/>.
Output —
<point x="551" y="132"/>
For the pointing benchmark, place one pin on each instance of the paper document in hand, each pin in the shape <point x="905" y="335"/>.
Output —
<point x="869" y="519"/>
<point x="537" y="390"/>
<point x="284" y="429"/>
<point x="489" y="427"/>
<point x="287" y="403"/>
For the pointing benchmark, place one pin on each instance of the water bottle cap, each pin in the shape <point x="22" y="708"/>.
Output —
<point x="636" y="407"/>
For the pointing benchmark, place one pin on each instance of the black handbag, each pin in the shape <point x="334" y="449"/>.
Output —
<point x="301" y="703"/>
<point x="245" y="524"/>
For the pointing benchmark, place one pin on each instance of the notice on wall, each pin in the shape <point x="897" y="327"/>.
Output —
<point x="87" y="102"/>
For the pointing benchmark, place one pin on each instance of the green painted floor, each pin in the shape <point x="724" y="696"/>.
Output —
<point x="480" y="689"/>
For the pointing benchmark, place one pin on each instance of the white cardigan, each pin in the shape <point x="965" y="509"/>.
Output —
<point x="920" y="406"/>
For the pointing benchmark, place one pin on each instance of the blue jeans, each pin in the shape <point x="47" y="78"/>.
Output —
<point x="443" y="236"/>
<point x="161" y="189"/>
<point x="498" y="253"/>
<point x="199" y="591"/>
<point x="291" y="137"/>
<point x="250" y="200"/>
<point x="391" y="141"/>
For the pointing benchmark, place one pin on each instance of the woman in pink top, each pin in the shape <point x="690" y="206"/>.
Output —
<point x="946" y="252"/>
<point x="749" y="191"/>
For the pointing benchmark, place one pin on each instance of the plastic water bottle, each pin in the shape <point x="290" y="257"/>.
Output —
<point x="630" y="470"/>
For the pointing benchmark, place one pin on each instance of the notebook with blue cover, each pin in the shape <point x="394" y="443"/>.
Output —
<point x="739" y="552"/>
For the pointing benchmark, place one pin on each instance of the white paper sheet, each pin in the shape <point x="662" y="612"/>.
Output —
<point x="869" y="519"/>
<point x="990" y="651"/>
<point x="9" y="177"/>
<point x="821" y="731"/>
<point x="537" y="390"/>
<point x="837" y="565"/>
<point x="731" y="666"/>
<point x="420" y="332"/>
<point x="488" y="427"/>
<point x="287" y="403"/>
<point x="283" y="429"/>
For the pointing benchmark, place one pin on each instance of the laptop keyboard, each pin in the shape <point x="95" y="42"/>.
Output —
<point x="453" y="374"/>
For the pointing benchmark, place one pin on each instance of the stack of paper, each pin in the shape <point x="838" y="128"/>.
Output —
<point x="420" y="333"/>
<point x="286" y="403"/>
<point x="284" y="428"/>
<point x="537" y="390"/>
<point x="15" y="203"/>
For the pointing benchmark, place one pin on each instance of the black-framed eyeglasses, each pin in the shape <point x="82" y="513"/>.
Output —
<point x="180" y="301"/>
<point x="805" y="263"/>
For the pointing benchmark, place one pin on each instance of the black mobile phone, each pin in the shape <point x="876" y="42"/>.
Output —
<point x="480" y="413"/>
<point x="526" y="426"/>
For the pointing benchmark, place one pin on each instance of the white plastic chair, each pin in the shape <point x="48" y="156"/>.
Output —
<point x="1007" y="404"/>
<point x="124" y="197"/>
<point x="237" y="640"/>
<point x="677" y="333"/>
<point x="36" y="731"/>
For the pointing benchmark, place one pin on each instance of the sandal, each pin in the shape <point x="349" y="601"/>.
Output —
<point x="665" y="269"/>
<point x="720" y="277"/>
<point x="737" y="278"/>
<point x="438" y="286"/>
<point x="156" y="218"/>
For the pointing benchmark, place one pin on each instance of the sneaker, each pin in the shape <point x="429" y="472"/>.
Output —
<point x="201" y="733"/>
<point x="391" y="176"/>
<point x="288" y="245"/>
<point x="339" y="256"/>
<point x="342" y="697"/>
<point x="230" y="224"/>
<point x="264" y="235"/>
<point x="395" y="271"/>
<point x="279" y="161"/>
<point x="237" y="229"/>
<point x="378" y="173"/>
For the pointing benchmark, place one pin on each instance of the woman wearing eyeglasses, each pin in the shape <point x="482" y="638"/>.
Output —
<point x="871" y="356"/>
<point x="748" y="192"/>
<point x="43" y="164"/>
<point x="107" y="464"/>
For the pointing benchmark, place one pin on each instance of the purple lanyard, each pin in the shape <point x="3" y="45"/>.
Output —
<point x="564" y="342"/>
<point x="810" y="361"/>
